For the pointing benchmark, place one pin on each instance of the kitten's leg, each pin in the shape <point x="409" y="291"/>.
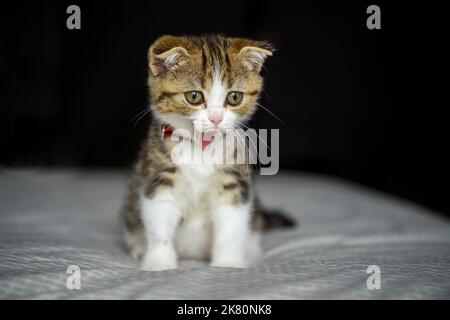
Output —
<point x="136" y="243"/>
<point x="231" y="232"/>
<point x="160" y="217"/>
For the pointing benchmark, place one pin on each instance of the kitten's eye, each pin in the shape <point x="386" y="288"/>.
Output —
<point x="194" y="97"/>
<point x="234" y="98"/>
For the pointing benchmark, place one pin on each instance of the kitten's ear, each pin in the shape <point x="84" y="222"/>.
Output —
<point x="253" y="53"/>
<point x="167" y="52"/>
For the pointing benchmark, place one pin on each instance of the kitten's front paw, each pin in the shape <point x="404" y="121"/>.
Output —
<point x="159" y="258"/>
<point x="229" y="263"/>
<point x="137" y="252"/>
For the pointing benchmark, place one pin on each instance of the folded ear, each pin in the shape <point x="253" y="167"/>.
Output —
<point x="166" y="53"/>
<point x="252" y="53"/>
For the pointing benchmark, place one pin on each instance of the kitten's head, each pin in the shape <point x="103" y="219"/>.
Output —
<point x="208" y="82"/>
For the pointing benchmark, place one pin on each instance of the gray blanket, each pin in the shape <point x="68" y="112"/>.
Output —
<point x="50" y="220"/>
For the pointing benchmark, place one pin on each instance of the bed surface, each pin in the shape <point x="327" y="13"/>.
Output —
<point x="52" y="219"/>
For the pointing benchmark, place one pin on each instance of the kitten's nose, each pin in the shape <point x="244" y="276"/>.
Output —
<point x="215" y="116"/>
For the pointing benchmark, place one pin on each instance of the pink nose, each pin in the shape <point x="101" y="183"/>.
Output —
<point x="215" y="116"/>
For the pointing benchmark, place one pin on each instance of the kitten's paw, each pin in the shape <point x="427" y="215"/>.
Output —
<point x="137" y="252"/>
<point x="159" y="258"/>
<point x="229" y="263"/>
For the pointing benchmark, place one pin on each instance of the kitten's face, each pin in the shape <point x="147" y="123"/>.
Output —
<point x="205" y="83"/>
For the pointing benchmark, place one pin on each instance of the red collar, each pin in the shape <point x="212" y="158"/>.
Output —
<point x="167" y="132"/>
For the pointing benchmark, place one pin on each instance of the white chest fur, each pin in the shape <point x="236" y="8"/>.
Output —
<point x="194" y="186"/>
<point x="195" y="190"/>
<point x="190" y="216"/>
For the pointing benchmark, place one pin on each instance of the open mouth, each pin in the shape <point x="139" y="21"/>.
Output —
<point x="206" y="140"/>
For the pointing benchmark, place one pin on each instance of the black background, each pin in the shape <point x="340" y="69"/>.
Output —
<point x="343" y="92"/>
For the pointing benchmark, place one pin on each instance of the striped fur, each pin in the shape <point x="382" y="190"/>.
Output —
<point x="213" y="65"/>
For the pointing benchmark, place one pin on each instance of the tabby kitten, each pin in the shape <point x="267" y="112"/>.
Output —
<point x="187" y="210"/>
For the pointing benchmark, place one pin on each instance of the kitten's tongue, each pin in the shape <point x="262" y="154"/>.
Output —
<point x="206" y="141"/>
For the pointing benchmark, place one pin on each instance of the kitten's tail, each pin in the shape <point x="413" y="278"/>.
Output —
<point x="268" y="219"/>
<point x="274" y="219"/>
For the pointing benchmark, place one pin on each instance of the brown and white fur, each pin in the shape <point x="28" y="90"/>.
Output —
<point x="196" y="211"/>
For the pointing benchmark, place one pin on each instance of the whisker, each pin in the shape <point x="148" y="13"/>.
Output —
<point x="141" y="116"/>
<point x="139" y="113"/>
<point x="270" y="112"/>
<point x="254" y="145"/>
<point x="259" y="138"/>
<point x="267" y="94"/>
<point x="244" y="149"/>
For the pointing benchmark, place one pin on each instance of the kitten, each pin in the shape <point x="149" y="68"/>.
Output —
<point x="197" y="211"/>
